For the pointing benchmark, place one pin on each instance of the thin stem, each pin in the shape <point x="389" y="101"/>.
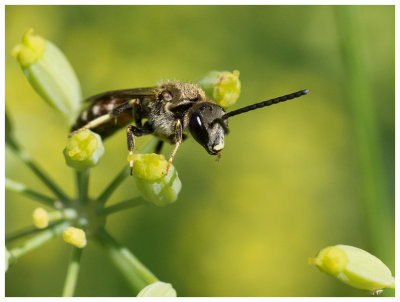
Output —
<point x="113" y="185"/>
<point x="375" y="184"/>
<point x="21" y="188"/>
<point x="82" y="185"/>
<point x="126" y="204"/>
<point x="39" y="239"/>
<point x="40" y="174"/>
<point x="133" y="270"/>
<point x="72" y="273"/>
<point x="120" y="177"/>
<point x="22" y="233"/>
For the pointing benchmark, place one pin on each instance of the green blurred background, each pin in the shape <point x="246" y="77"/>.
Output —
<point x="293" y="178"/>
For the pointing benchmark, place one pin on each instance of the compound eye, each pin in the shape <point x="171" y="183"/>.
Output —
<point x="198" y="130"/>
<point x="166" y="96"/>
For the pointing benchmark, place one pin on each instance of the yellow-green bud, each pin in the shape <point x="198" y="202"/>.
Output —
<point x="153" y="185"/>
<point x="75" y="236"/>
<point x="158" y="289"/>
<point x="354" y="267"/>
<point x="40" y="218"/>
<point x="84" y="150"/>
<point x="222" y="86"/>
<point x="50" y="74"/>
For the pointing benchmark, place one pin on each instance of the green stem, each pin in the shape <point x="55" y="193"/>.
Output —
<point x="22" y="233"/>
<point x="82" y="185"/>
<point x="40" y="174"/>
<point x="21" y="188"/>
<point x="133" y="270"/>
<point x="376" y="196"/>
<point x="103" y="197"/>
<point x="39" y="239"/>
<point x="72" y="273"/>
<point x="126" y="204"/>
<point x="120" y="177"/>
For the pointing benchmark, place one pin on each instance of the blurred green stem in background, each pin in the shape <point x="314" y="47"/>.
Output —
<point x="72" y="273"/>
<point x="133" y="270"/>
<point x="376" y="190"/>
<point x="38" y="172"/>
<point x="126" y="204"/>
<point x="21" y="188"/>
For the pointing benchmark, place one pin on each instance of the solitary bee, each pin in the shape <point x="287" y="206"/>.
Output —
<point x="171" y="110"/>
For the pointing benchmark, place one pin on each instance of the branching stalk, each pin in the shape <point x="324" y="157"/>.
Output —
<point x="82" y="185"/>
<point x="40" y="174"/>
<point x="39" y="239"/>
<point x="21" y="188"/>
<point x="133" y="270"/>
<point x="72" y="273"/>
<point x="123" y="205"/>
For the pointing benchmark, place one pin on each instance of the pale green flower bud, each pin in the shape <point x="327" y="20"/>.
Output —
<point x="153" y="185"/>
<point x="158" y="289"/>
<point x="84" y="150"/>
<point x="50" y="74"/>
<point x="354" y="267"/>
<point x="222" y="86"/>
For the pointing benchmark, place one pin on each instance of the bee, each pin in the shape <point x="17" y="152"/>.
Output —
<point x="171" y="111"/>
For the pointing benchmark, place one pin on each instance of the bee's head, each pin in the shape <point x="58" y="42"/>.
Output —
<point x="207" y="127"/>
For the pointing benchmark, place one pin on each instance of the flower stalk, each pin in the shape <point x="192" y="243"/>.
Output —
<point x="123" y="205"/>
<point x="137" y="275"/>
<point x="38" y="240"/>
<point x="15" y="186"/>
<point x="51" y="185"/>
<point x="71" y="278"/>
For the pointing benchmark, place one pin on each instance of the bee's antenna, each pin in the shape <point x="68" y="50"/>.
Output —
<point x="266" y="103"/>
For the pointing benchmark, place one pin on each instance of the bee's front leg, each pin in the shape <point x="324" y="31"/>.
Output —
<point x="131" y="132"/>
<point x="178" y="141"/>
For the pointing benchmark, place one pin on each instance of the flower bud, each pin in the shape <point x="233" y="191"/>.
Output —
<point x="84" y="150"/>
<point x="50" y="74"/>
<point x="153" y="185"/>
<point x="354" y="267"/>
<point x="40" y="218"/>
<point x="222" y="86"/>
<point x="158" y="289"/>
<point x="75" y="236"/>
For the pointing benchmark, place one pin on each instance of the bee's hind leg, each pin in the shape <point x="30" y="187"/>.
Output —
<point x="131" y="132"/>
<point x="93" y="124"/>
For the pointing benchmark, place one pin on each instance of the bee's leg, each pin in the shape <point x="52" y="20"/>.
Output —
<point x="131" y="132"/>
<point x="159" y="146"/>
<point x="107" y="117"/>
<point x="93" y="124"/>
<point x="126" y="106"/>
<point x="178" y="141"/>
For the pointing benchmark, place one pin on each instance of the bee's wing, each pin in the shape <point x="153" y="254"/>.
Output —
<point x="124" y="94"/>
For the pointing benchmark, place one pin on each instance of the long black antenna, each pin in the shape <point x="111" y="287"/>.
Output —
<point x="266" y="103"/>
